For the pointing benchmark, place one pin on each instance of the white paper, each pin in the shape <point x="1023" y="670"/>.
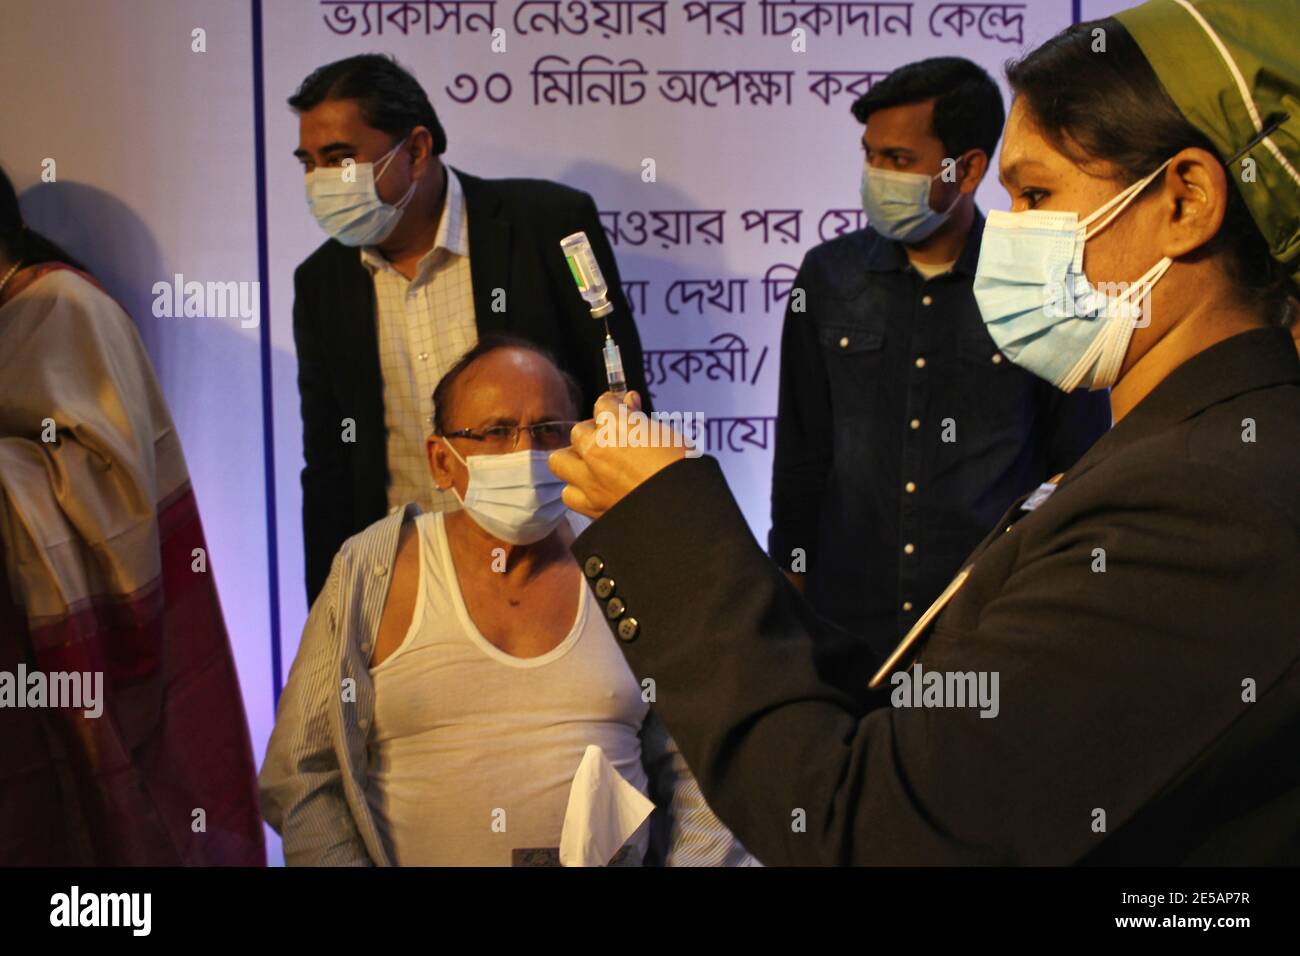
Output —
<point x="604" y="811"/>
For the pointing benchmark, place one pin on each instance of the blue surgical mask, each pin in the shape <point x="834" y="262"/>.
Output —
<point x="898" y="204"/>
<point x="1039" y="307"/>
<point x="351" y="210"/>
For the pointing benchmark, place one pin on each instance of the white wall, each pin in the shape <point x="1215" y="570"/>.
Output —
<point x="155" y="166"/>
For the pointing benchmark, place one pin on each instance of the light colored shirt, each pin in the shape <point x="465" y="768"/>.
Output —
<point x="424" y="325"/>
<point x="474" y="750"/>
<point x="929" y="270"/>
<point x="315" y="776"/>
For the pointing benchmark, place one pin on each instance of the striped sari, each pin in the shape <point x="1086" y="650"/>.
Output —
<point x="103" y="557"/>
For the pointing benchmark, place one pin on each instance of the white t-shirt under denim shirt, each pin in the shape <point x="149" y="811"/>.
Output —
<point x="929" y="270"/>
<point x="473" y="751"/>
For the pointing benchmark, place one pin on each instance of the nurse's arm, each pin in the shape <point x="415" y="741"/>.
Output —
<point x="1111" y="686"/>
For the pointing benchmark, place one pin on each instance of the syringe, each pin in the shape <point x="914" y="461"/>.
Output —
<point x="591" y="285"/>
<point x="613" y="367"/>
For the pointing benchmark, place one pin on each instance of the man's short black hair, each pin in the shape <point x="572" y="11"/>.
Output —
<point x="968" y="111"/>
<point x="489" y="343"/>
<point x="389" y="97"/>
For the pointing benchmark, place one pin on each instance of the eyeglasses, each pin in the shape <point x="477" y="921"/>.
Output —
<point x="502" y="437"/>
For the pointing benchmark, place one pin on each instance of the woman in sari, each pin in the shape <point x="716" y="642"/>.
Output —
<point x="123" y="739"/>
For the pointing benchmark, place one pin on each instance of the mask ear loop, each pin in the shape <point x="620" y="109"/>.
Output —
<point x="1103" y="350"/>
<point x="1140" y="286"/>
<point x="1086" y="361"/>
<point x="452" y="449"/>
<point x="1106" y="352"/>
<point x="406" y="200"/>
<point x="1119" y="202"/>
<point x="446" y="441"/>
<point x="1122" y="322"/>
<point x="386" y="161"/>
<point x="952" y="205"/>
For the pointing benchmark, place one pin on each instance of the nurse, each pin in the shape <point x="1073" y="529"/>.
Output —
<point x="1140" y="612"/>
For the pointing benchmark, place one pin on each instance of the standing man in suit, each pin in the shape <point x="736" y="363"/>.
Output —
<point x="902" y="433"/>
<point x="422" y="260"/>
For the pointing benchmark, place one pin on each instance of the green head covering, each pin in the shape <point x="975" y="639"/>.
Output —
<point x="1233" y="69"/>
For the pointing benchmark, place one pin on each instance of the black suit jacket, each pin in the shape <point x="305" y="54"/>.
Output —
<point x="1162" y="691"/>
<point x="515" y="228"/>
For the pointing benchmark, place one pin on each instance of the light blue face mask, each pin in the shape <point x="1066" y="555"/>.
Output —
<point x="514" y="497"/>
<point x="1039" y="307"/>
<point x="351" y="210"/>
<point x="898" y="204"/>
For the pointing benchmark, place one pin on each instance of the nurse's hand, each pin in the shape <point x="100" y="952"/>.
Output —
<point x="599" y="467"/>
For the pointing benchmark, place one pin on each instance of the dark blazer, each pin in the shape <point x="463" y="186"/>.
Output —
<point x="1163" y="690"/>
<point x="515" y="228"/>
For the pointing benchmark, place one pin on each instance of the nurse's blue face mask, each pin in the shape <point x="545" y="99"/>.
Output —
<point x="1039" y="307"/>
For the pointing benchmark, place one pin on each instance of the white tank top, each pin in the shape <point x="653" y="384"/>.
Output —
<point x="473" y="750"/>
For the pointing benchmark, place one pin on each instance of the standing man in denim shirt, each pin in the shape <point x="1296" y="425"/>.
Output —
<point x="902" y="433"/>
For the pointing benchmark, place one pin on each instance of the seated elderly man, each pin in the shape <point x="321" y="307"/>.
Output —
<point x="454" y="670"/>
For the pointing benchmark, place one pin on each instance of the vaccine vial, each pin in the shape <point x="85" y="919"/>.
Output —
<point x="586" y="273"/>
